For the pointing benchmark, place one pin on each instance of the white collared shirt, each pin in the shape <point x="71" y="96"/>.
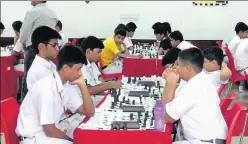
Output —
<point x="197" y="107"/>
<point x="185" y="45"/>
<point x="39" y="69"/>
<point x="128" y="42"/>
<point x="91" y="73"/>
<point x="241" y="55"/>
<point x="215" y="79"/>
<point x="234" y="44"/>
<point x="18" y="46"/>
<point x="39" y="15"/>
<point x="43" y="105"/>
<point x="63" y="40"/>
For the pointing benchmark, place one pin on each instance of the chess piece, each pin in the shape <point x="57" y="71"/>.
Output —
<point x="129" y="79"/>
<point x="145" y="86"/>
<point x="120" y="104"/>
<point x="117" y="126"/>
<point x="140" y="97"/>
<point x="146" y="114"/>
<point x="149" y="90"/>
<point x="134" y="80"/>
<point x="131" y="116"/>
<point x="133" y="102"/>
<point x="139" y="78"/>
<point x="151" y="124"/>
<point x="133" y="52"/>
<point x="112" y="105"/>
<point x="119" y="92"/>
<point x="153" y="91"/>
<point x="123" y="99"/>
<point x="124" y="126"/>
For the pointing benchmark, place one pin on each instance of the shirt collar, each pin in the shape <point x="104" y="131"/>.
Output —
<point x="58" y="80"/>
<point x="46" y="63"/>
<point x="40" y="5"/>
<point x="181" y="43"/>
<point x="88" y="64"/>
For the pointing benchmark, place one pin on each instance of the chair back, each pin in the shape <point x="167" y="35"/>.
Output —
<point x="235" y="119"/>
<point x="8" y="78"/>
<point x="225" y="103"/>
<point x="219" y="43"/>
<point x="9" y="114"/>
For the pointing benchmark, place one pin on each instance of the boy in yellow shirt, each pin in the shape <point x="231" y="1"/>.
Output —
<point x="113" y="50"/>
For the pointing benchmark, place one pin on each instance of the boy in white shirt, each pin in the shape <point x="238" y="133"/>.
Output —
<point x="92" y="47"/>
<point x="241" y="29"/>
<point x="131" y="27"/>
<point x="45" y="44"/>
<point x="177" y="41"/>
<point x="41" y="112"/>
<point x="214" y="66"/>
<point x="196" y="104"/>
<point x="64" y="39"/>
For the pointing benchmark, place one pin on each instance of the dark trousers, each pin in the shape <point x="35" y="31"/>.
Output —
<point x="28" y="60"/>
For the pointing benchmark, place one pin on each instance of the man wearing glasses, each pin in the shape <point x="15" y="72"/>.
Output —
<point x="45" y="44"/>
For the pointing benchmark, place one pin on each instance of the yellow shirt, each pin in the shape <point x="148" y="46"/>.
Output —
<point x="109" y="52"/>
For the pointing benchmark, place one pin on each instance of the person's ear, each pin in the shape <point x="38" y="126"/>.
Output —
<point x="41" y="47"/>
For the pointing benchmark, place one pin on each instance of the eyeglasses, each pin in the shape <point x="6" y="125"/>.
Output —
<point x="56" y="45"/>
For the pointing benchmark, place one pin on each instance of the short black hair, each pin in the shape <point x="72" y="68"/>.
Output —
<point x="43" y="34"/>
<point x="59" y="24"/>
<point x="79" y="41"/>
<point x="131" y="26"/>
<point x="70" y="55"/>
<point x="160" y="30"/>
<point x="16" y="25"/>
<point x="155" y="25"/>
<point x="194" y="57"/>
<point x="121" y="26"/>
<point x="170" y="56"/>
<point x="121" y="32"/>
<point x="176" y="35"/>
<point x="167" y="26"/>
<point x="214" y="53"/>
<point x="1" y="26"/>
<point x="240" y="27"/>
<point x="91" y="42"/>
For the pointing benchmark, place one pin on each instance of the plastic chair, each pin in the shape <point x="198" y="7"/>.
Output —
<point x="9" y="114"/>
<point x="221" y="90"/>
<point x="74" y="41"/>
<point x="8" y="78"/>
<point x="235" y="119"/>
<point x="226" y="102"/>
<point x="236" y="76"/>
<point x="219" y="43"/>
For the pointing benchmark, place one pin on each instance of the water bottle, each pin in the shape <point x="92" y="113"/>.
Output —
<point x="159" y="111"/>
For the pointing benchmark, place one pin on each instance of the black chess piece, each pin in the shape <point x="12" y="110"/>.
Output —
<point x="144" y="124"/>
<point x="133" y="102"/>
<point x="129" y="79"/>
<point x="134" y="80"/>
<point x="120" y="104"/>
<point x="139" y="78"/>
<point x="149" y="90"/>
<point x="112" y="105"/>
<point x="145" y="86"/>
<point x="133" y="51"/>
<point x="140" y="99"/>
<point x="153" y="91"/>
<point x="124" y="126"/>
<point x="151" y="124"/>
<point x="131" y="116"/>
<point x="146" y="114"/>
<point x="123" y="99"/>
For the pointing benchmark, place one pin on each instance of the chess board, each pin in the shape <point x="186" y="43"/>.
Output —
<point x="122" y="111"/>
<point x="148" y="51"/>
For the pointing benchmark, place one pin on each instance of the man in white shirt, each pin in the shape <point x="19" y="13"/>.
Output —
<point x="241" y="56"/>
<point x="92" y="47"/>
<point x="39" y="15"/>
<point x="45" y="42"/>
<point x="177" y="41"/>
<point x="196" y="104"/>
<point x="215" y="68"/>
<point x="131" y="27"/>
<point x="41" y="112"/>
<point x="64" y="39"/>
<point x="241" y="29"/>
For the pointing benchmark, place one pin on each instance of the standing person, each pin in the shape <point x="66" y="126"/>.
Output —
<point x="40" y="15"/>
<point x="64" y="39"/>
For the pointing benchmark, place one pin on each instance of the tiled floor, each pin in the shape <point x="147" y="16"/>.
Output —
<point x="243" y="98"/>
